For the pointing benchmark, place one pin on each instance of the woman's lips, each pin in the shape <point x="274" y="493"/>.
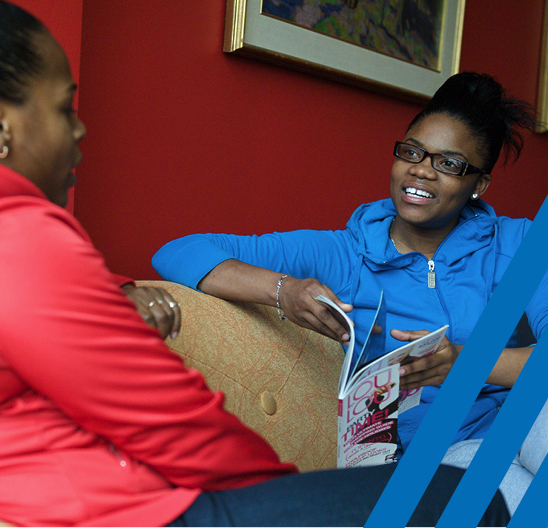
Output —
<point x="416" y="195"/>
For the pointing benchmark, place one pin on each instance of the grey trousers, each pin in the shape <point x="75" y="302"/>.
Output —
<point x="524" y="466"/>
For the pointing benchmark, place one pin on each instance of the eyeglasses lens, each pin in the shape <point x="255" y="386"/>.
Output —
<point x="440" y="162"/>
<point x="447" y="164"/>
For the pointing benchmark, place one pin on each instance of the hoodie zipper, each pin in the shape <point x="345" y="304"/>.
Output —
<point x="431" y="274"/>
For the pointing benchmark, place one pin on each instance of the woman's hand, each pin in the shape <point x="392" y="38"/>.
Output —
<point x="297" y="299"/>
<point x="428" y="370"/>
<point x="238" y="281"/>
<point x="157" y="307"/>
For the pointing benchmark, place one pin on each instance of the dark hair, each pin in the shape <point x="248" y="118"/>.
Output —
<point x="481" y="103"/>
<point x="19" y="59"/>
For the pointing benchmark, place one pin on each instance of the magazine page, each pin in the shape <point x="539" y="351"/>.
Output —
<point x="368" y="420"/>
<point x="422" y="347"/>
<point x="343" y="318"/>
<point x="374" y="343"/>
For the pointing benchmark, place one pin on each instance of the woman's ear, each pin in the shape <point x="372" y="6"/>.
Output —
<point x="481" y="186"/>
<point x="4" y="139"/>
<point x="5" y="136"/>
<point x="5" y="129"/>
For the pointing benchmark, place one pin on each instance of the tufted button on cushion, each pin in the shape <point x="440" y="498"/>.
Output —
<point x="268" y="402"/>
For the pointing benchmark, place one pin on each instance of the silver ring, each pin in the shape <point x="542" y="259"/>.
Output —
<point x="151" y="304"/>
<point x="173" y="304"/>
<point x="159" y="301"/>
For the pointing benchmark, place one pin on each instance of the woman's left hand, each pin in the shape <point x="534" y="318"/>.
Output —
<point x="429" y="370"/>
<point x="157" y="307"/>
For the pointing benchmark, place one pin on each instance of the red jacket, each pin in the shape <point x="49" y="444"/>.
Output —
<point x="100" y="423"/>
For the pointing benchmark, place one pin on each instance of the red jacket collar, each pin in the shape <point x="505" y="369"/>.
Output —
<point x="13" y="184"/>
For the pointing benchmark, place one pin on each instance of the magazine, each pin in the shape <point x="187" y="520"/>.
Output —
<point x="369" y="395"/>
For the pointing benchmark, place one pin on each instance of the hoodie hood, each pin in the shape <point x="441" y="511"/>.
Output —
<point x="370" y="225"/>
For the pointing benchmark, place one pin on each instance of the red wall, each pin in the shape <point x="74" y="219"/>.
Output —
<point x="183" y="138"/>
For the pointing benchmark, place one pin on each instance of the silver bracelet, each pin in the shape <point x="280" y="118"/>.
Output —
<point x="282" y="317"/>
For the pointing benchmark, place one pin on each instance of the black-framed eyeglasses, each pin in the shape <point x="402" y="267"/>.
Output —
<point x="440" y="162"/>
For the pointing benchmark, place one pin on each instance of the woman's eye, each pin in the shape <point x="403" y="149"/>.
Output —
<point x="68" y="107"/>
<point x="412" y="153"/>
<point x="449" y="163"/>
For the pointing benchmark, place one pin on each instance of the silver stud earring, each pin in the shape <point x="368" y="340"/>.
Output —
<point x="5" y="151"/>
<point x="475" y="196"/>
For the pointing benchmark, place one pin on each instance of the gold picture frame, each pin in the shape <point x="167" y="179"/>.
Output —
<point x="251" y="32"/>
<point x="542" y="96"/>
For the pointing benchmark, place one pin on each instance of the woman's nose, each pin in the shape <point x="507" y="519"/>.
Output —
<point x="79" y="130"/>
<point x="424" y="169"/>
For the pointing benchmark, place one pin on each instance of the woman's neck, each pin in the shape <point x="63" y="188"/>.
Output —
<point x="407" y="237"/>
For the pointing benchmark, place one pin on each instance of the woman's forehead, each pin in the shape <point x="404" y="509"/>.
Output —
<point x="441" y="133"/>
<point x="441" y="129"/>
<point x="54" y="58"/>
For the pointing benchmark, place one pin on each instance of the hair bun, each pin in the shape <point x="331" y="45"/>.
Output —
<point x="482" y="104"/>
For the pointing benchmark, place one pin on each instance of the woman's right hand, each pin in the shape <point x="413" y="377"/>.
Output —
<point x="297" y="300"/>
<point x="157" y="307"/>
<point x="235" y="280"/>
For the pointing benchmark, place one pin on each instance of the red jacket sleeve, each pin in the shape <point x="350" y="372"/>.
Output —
<point x="121" y="280"/>
<point x="71" y="334"/>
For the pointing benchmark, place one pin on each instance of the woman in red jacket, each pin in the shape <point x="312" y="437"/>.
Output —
<point x="100" y="423"/>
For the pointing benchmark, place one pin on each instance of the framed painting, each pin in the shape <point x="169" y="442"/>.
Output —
<point x="403" y="47"/>
<point x="542" y="96"/>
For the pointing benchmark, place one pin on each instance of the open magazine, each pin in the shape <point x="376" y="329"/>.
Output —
<point x="369" y="395"/>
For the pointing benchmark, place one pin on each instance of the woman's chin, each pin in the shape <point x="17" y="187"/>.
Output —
<point x="71" y="179"/>
<point x="60" y="199"/>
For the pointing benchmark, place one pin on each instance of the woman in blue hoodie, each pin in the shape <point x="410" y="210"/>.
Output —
<point x="436" y="249"/>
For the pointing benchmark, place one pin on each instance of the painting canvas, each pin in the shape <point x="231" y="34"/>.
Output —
<point x="406" y="29"/>
<point x="402" y="47"/>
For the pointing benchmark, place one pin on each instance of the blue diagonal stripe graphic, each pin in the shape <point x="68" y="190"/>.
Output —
<point x="501" y="444"/>
<point x="458" y="392"/>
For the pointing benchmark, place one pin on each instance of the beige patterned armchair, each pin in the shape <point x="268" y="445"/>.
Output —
<point x="279" y="379"/>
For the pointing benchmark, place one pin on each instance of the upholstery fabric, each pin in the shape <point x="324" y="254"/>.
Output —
<point x="279" y="379"/>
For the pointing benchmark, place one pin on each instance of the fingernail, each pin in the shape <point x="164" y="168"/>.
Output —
<point x="402" y="372"/>
<point x="174" y="335"/>
<point x="345" y="338"/>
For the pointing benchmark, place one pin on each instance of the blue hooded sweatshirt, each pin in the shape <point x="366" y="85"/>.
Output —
<point x="356" y="263"/>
